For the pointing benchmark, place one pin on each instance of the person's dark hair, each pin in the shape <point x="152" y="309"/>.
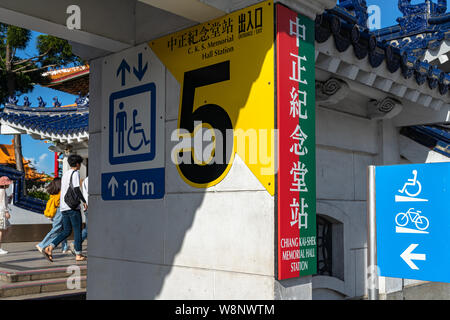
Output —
<point x="74" y="159"/>
<point x="55" y="186"/>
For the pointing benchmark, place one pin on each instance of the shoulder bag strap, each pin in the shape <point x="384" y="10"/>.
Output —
<point x="70" y="182"/>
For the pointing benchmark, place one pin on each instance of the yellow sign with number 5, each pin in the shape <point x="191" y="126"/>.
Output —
<point x="226" y="71"/>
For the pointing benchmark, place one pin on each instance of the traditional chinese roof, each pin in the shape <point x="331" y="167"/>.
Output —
<point x="7" y="158"/>
<point x="347" y="24"/>
<point x="422" y="27"/>
<point x="71" y="80"/>
<point x="391" y="54"/>
<point x="57" y="124"/>
<point x="344" y="27"/>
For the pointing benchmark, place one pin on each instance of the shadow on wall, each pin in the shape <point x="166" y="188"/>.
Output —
<point x="133" y="245"/>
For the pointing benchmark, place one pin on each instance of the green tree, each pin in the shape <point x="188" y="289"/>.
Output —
<point x="20" y="75"/>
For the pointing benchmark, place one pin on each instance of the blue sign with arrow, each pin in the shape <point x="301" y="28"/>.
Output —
<point x="133" y="185"/>
<point x="133" y="130"/>
<point x="413" y="221"/>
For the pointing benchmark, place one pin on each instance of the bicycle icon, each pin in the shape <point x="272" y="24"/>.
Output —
<point x="412" y="183"/>
<point x="421" y="222"/>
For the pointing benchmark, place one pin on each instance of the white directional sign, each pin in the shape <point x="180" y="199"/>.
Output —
<point x="133" y="94"/>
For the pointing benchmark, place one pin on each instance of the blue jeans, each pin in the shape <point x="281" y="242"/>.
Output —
<point x="85" y="230"/>
<point x="71" y="219"/>
<point x="57" y="228"/>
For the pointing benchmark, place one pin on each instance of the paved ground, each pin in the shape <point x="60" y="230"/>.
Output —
<point x="23" y="256"/>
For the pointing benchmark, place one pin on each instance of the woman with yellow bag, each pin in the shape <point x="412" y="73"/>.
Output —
<point x="52" y="212"/>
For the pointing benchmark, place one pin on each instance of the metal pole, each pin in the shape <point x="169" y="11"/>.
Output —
<point x="372" y="235"/>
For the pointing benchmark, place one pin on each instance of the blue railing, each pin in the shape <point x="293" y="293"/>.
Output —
<point x="20" y="199"/>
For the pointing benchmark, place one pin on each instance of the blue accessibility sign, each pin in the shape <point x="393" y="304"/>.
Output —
<point x="413" y="221"/>
<point x="133" y="130"/>
<point x="132" y="124"/>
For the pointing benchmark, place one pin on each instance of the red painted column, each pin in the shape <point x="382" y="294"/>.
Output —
<point x="56" y="165"/>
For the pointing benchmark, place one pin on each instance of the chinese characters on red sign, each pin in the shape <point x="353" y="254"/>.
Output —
<point x="296" y="149"/>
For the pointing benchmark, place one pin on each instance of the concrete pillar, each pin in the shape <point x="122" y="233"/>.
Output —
<point x="388" y="143"/>
<point x="196" y="243"/>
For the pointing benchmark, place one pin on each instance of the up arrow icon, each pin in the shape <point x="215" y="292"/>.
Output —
<point x="408" y="256"/>
<point x="113" y="185"/>
<point x="123" y="67"/>
<point x="140" y="72"/>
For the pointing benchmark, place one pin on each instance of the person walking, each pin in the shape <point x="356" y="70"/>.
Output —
<point x="71" y="214"/>
<point x="4" y="210"/>
<point x="52" y="210"/>
<point x="84" y="190"/>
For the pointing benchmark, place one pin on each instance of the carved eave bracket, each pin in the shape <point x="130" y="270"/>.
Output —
<point x="387" y="108"/>
<point x="331" y="92"/>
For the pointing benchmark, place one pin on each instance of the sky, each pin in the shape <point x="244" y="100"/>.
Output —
<point x="389" y="11"/>
<point x="38" y="152"/>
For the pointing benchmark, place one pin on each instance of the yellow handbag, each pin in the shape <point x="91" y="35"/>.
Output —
<point x="52" y="205"/>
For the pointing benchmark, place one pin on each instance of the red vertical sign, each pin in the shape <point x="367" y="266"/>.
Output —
<point x="287" y="236"/>
<point x="296" y="145"/>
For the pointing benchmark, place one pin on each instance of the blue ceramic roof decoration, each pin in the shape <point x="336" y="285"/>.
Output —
<point x="42" y="103"/>
<point x="82" y="101"/>
<point x="422" y="27"/>
<point x="402" y="47"/>
<point x="347" y="24"/>
<point x="26" y="102"/>
<point x="56" y="102"/>
<point x="13" y="99"/>
<point x="62" y="122"/>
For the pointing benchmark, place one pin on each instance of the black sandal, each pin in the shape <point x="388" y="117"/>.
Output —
<point x="47" y="256"/>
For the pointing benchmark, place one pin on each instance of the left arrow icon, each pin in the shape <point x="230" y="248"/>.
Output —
<point x="113" y="185"/>
<point x="408" y="256"/>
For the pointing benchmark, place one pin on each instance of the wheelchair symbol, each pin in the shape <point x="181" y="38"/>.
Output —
<point x="132" y="125"/>
<point x="412" y="188"/>
<point x="135" y="135"/>
<point x="414" y="184"/>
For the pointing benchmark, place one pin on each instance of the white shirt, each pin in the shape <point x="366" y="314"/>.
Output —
<point x="3" y="201"/>
<point x="65" y="186"/>
<point x="85" y="189"/>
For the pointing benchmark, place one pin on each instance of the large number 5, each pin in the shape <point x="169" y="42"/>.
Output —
<point x="211" y="114"/>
